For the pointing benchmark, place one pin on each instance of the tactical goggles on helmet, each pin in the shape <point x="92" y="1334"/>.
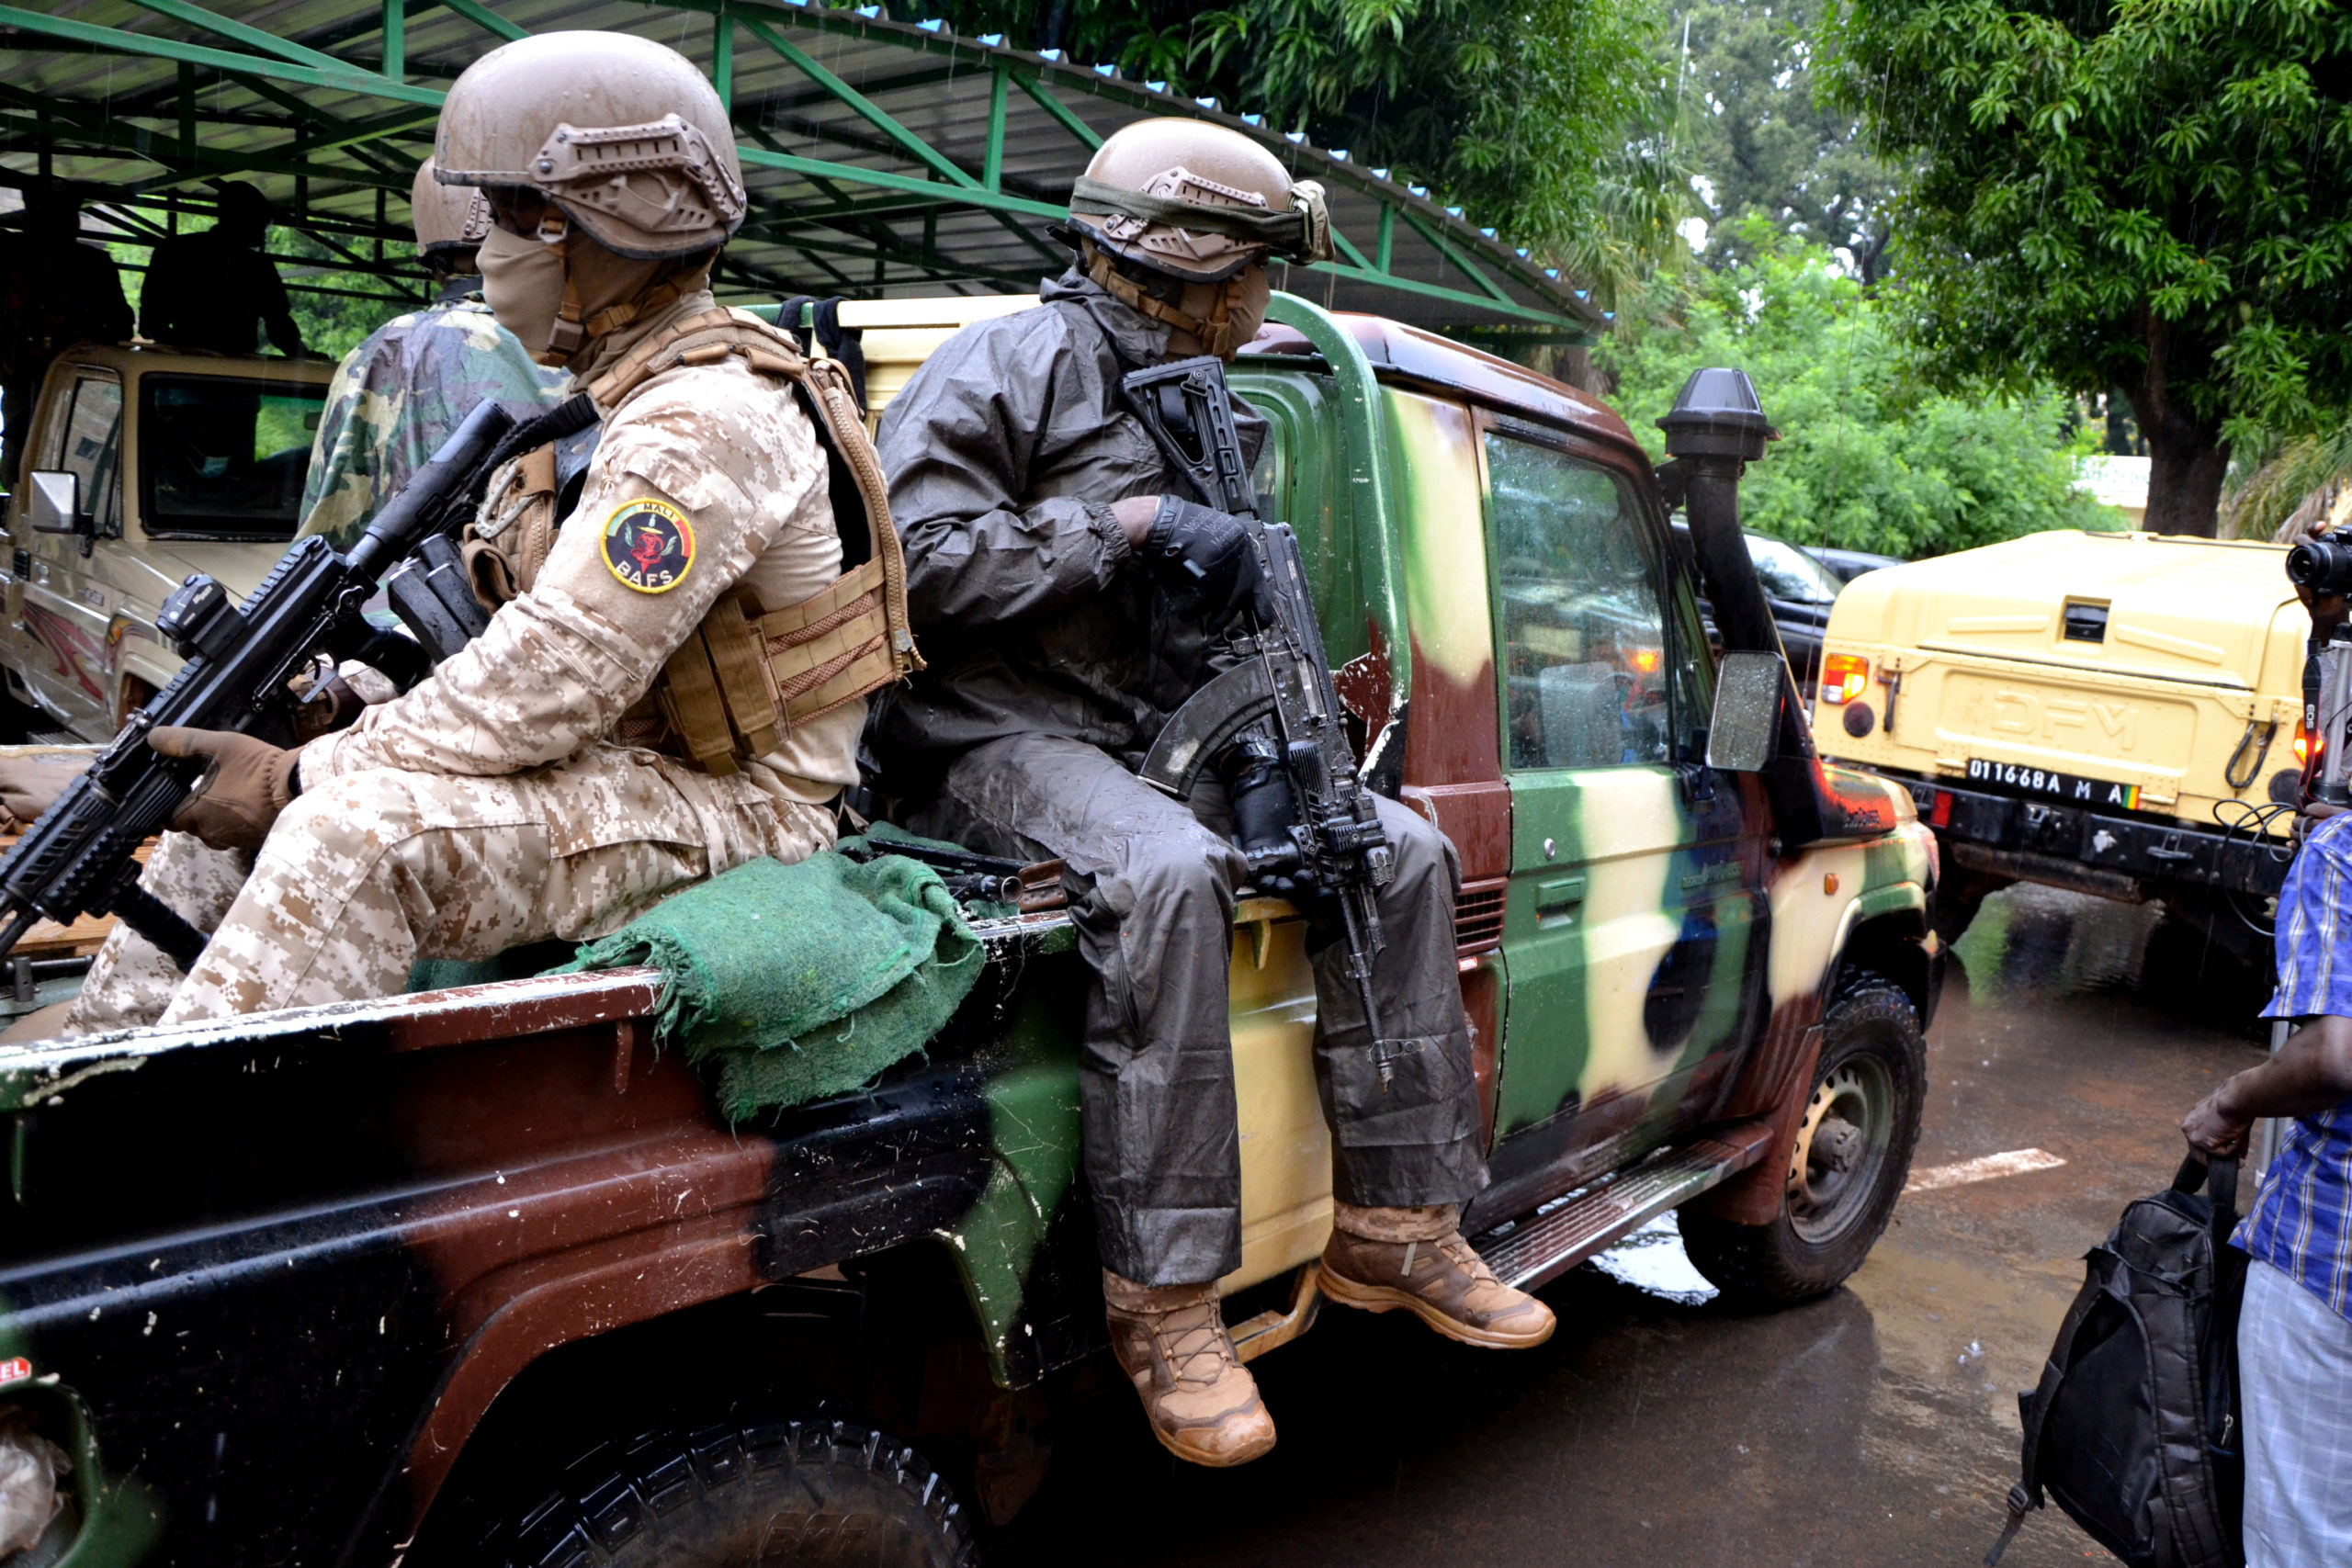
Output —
<point x="1301" y="232"/>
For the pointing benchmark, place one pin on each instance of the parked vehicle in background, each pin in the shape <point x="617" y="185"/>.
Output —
<point x="2114" y="713"/>
<point x="146" y="464"/>
<point x="480" y="1276"/>
<point x="1799" y="591"/>
<point x="1848" y="565"/>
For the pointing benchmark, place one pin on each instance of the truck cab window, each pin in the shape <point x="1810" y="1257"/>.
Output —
<point x="1585" y="657"/>
<point x="220" y="458"/>
<point x="90" y="448"/>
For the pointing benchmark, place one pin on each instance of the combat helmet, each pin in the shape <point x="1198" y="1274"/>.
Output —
<point x="624" y="135"/>
<point x="448" y="218"/>
<point x="1169" y="202"/>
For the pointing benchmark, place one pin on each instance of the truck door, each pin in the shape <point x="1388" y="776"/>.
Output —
<point x="1627" y="918"/>
<point x="61" y="621"/>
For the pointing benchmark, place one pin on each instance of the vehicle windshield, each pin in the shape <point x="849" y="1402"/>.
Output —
<point x="222" y="458"/>
<point x="1787" y="572"/>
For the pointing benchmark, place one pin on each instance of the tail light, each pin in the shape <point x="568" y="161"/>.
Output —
<point x="1844" y="677"/>
<point x="2302" y="744"/>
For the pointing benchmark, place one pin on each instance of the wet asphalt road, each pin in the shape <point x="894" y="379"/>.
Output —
<point x="1875" y="1427"/>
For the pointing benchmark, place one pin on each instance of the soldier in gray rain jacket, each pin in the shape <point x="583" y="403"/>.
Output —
<point x="1069" y="601"/>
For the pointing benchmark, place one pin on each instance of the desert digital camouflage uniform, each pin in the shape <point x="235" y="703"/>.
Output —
<point x="489" y="806"/>
<point x="130" y="982"/>
<point x="396" y="397"/>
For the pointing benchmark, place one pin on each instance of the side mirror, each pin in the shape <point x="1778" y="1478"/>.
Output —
<point x="56" y="501"/>
<point x="1745" y="731"/>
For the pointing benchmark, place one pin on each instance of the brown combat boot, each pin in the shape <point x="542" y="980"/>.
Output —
<point x="1415" y="1258"/>
<point x="1201" y="1400"/>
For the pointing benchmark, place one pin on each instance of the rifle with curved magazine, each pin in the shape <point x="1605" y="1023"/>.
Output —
<point x="1279" y="698"/>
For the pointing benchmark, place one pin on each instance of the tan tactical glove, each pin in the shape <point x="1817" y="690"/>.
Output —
<point x="252" y="783"/>
<point x="30" y="785"/>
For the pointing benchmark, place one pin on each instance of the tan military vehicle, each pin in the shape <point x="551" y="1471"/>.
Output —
<point x="146" y="464"/>
<point x="2114" y="713"/>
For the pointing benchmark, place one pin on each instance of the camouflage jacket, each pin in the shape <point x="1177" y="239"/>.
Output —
<point x="398" y="395"/>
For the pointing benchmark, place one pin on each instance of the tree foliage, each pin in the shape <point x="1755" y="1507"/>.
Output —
<point x="2295" y="478"/>
<point x="1520" y="114"/>
<point x="1870" y="458"/>
<point x="1748" y="122"/>
<point x="2154" y="195"/>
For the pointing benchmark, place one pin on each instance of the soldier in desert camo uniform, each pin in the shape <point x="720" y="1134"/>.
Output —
<point x="632" y="721"/>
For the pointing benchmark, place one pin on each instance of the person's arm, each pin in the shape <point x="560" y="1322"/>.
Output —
<point x="159" y="294"/>
<point x="339" y="492"/>
<point x="109" y="311"/>
<point x="267" y="296"/>
<point x="277" y="314"/>
<point x="959" y="444"/>
<point x="2311" y="1074"/>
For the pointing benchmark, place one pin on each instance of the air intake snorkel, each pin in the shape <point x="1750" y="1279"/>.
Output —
<point x="1715" y="429"/>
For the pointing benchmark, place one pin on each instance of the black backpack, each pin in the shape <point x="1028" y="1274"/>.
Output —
<point x="2135" y="1429"/>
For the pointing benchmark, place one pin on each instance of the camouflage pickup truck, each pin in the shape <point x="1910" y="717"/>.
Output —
<point x="480" y="1275"/>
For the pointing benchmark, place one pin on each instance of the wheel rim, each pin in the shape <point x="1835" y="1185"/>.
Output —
<point x="1841" y="1147"/>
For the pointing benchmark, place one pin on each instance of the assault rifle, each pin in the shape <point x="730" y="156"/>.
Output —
<point x="1279" y="698"/>
<point x="78" y="859"/>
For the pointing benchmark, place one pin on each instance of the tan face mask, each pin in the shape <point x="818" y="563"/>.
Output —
<point x="523" y="282"/>
<point x="1226" y="314"/>
<point x="1244" y="308"/>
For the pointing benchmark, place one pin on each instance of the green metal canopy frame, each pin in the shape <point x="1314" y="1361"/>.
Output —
<point x="882" y="158"/>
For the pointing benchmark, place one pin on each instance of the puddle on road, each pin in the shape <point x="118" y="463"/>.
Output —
<point x="1651" y="1260"/>
<point x="2035" y="943"/>
<point x="2032" y="940"/>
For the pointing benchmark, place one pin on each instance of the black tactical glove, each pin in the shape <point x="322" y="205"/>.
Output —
<point x="1264" y="810"/>
<point x="1206" y="557"/>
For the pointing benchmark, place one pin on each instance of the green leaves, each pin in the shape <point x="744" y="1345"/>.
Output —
<point x="1871" y="457"/>
<point x="1750" y="124"/>
<point x="1520" y="114"/>
<point x="2149" y="194"/>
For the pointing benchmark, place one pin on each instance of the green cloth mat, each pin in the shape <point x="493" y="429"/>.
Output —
<point x="801" y="981"/>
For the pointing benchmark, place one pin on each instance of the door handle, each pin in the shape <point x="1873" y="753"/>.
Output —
<point x="1554" y="895"/>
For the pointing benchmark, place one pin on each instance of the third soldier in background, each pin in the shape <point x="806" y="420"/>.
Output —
<point x="397" y="397"/>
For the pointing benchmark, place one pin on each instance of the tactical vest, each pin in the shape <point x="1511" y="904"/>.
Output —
<point x="748" y="674"/>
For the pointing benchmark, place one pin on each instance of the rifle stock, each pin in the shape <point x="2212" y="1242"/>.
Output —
<point x="1289" y="697"/>
<point x="79" y="858"/>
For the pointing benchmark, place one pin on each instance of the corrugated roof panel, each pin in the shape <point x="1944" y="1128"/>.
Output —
<point x="305" y="117"/>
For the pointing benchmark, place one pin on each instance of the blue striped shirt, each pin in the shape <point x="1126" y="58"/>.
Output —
<point x="2301" y="1220"/>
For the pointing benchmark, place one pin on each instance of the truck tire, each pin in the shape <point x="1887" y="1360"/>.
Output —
<point x="1852" y="1157"/>
<point x="775" y="1494"/>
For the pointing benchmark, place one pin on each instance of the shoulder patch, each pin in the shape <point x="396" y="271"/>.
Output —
<point x="649" y="544"/>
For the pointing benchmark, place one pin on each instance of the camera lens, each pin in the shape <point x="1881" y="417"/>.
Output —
<point x="2324" y="566"/>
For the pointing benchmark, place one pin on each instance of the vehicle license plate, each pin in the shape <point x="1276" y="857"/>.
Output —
<point x="2044" y="785"/>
